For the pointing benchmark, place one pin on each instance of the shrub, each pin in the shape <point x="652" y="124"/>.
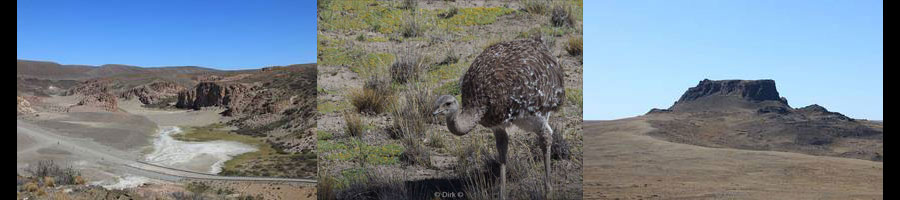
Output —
<point x="325" y="188"/>
<point x="412" y="114"/>
<point x="373" y="98"/>
<point x="415" y="152"/>
<point x="574" y="47"/>
<point x="48" y="182"/>
<point x="31" y="187"/>
<point x="355" y="125"/>
<point x="449" y="13"/>
<point x="47" y="168"/>
<point x="538" y="7"/>
<point x="198" y="187"/>
<point x="409" y="4"/>
<point x="410" y="27"/>
<point x="561" y="16"/>
<point x="407" y="66"/>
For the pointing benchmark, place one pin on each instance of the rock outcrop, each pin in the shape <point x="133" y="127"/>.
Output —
<point x="154" y="92"/>
<point x="751" y="90"/>
<point x="23" y="106"/>
<point x="233" y="96"/>
<point x="95" y="93"/>
<point x="751" y="115"/>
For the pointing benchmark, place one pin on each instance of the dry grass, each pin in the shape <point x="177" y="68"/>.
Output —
<point x="411" y="27"/>
<point x="562" y="16"/>
<point x="409" y="4"/>
<point x="538" y="7"/>
<point x="373" y="98"/>
<point x="449" y="13"/>
<point x="408" y="66"/>
<point x="355" y="125"/>
<point x="31" y="187"/>
<point x="49" y="182"/>
<point x="55" y="173"/>
<point x="574" y="47"/>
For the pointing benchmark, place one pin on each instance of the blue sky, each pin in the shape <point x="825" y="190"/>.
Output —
<point x="645" y="54"/>
<point x="221" y="34"/>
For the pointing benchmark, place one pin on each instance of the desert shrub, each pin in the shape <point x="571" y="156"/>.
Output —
<point x="31" y="187"/>
<point x="79" y="180"/>
<point x="450" y="58"/>
<point x="49" y="182"/>
<point x="574" y="47"/>
<point x="411" y="27"/>
<point x="407" y="66"/>
<point x="415" y="152"/>
<point x="449" y="13"/>
<point x="575" y="96"/>
<point x="409" y="4"/>
<point x="538" y="7"/>
<point x="187" y="196"/>
<point x="561" y="16"/>
<point x="59" y="175"/>
<point x="355" y="125"/>
<point x="412" y="114"/>
<point x="198" y="187"/>
<point x="373" y="98"/>
<point x="361" y="37"/>
<point x="325" y="188"/>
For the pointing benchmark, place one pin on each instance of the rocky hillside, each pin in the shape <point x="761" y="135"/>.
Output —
<point x="23" y="106"/>
<point x="276" y="103"/>
<point x="154" y="93"/>
<point x="750" y="114"/>
<point x="95" y="94"/>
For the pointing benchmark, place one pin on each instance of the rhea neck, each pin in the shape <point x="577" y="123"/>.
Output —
<point x="462" y="122"/>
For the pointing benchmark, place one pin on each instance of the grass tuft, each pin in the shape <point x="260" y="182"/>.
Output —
<point x="561" y="16"/>
<point x="407" y="67"/>
<point x="538" y="7"/>
<point x="574" y="47"/>
<point x="373" y="98"/>
<point x="355" y="125"/>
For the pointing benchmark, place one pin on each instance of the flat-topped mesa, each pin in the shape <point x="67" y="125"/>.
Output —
<point x="753" y="90"/>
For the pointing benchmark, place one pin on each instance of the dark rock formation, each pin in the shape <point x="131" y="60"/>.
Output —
<point x="818" y="112"/>
<point x="752" y="90"/>
<point x="153" y="93"/>
<point x="106" y="101"/>
<point x="207" y="94"/>
<point x="95" y="93"/>
<point x="23" y="106"/>
<point x="751" y="115"/>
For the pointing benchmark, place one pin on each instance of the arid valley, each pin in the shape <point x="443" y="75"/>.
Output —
<point x="734" y="140"/>
<point x="89" y="132"/>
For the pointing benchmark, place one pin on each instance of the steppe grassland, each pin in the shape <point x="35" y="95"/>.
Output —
<point x="382" y="63"/>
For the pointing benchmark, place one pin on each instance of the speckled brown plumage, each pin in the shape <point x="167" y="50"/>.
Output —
<point x="513" y="79"/>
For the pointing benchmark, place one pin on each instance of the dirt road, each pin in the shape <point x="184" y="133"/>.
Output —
<point x="116" y="160"/>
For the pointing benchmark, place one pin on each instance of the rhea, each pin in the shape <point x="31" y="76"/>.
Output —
<point x="514" y="83"/>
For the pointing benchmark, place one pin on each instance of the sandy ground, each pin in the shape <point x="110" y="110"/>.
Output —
<point x="174" y="117"/>
<point x="624" y="163"/>
<point x="100" y="145"/>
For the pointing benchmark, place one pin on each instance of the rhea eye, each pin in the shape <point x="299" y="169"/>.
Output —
<point x="447" y="104"/>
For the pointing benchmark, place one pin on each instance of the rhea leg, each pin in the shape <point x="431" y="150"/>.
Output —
<point x="547" y="137"/>
<point x="502" y="145"/>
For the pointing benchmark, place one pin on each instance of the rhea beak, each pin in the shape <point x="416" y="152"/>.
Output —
<point x="436" y="112"/>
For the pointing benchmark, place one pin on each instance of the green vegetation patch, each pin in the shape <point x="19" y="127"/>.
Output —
<point x="357" y="150"/>
<point x="266" y="161"/>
